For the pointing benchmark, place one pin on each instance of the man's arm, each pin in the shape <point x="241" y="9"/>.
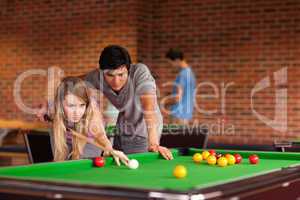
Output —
<point x="174" y="99"/>
<point x="148" y="102"/>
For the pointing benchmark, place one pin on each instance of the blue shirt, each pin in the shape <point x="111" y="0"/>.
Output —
<point x="184" y="108"/>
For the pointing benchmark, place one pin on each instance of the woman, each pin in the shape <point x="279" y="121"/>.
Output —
<point x="73" y="113"/>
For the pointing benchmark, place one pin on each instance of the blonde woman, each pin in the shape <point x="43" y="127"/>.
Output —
<point x="73" y="115"/>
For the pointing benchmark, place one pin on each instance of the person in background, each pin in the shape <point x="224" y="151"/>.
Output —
<point x="183" y="96"/>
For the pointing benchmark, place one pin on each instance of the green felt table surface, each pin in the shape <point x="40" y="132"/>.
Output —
<point x="154" y="172"/>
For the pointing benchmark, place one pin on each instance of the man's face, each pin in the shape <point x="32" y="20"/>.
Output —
<point x="117" y="78"/>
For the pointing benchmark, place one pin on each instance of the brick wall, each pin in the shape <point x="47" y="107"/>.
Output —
<point x="240" y="42"/>
<point x="69" y="34"/>
<point x="229" y="42"/>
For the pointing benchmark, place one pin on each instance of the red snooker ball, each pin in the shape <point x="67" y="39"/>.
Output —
<point x="212" y="152"/>
<point x="98" y="161"/>
<point x="253" y="159"/>
<point x="238" y="158"/>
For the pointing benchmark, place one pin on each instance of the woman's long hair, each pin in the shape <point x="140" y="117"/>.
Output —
<point x="75" y="86"/>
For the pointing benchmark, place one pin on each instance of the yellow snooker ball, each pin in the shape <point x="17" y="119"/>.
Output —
<point x="197" y="157"/>
<point x="230" y="159"/>
<point x="211" y="160"/>
<point x="180" y="171"/>
<point x="205" y="154"/>
<point x="222" y="162"/>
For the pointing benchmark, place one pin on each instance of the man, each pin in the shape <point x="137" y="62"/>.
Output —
<point x="183" y="96"/>
<point x="132" y="90"/>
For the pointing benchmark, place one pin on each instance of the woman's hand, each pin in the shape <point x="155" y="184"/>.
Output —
<point x="117" y="155"/>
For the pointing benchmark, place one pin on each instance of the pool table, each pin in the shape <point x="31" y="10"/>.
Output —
<point x="278" y="173"/>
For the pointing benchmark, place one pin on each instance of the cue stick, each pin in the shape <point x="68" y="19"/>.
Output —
<point x="86" y="139"/>
<point x="78" y="135"/>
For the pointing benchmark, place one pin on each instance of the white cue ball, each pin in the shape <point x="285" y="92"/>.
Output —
<point x="133" y="164"/>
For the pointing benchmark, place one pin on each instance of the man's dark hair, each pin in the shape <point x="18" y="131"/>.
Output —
<point x="113" y="56"/>
<point x="174" y="54"/>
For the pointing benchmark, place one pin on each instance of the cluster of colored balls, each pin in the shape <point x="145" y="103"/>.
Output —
<point x="213" y="158"/>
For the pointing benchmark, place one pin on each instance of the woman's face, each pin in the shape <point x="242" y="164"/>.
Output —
<point x="74" y="108"/>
